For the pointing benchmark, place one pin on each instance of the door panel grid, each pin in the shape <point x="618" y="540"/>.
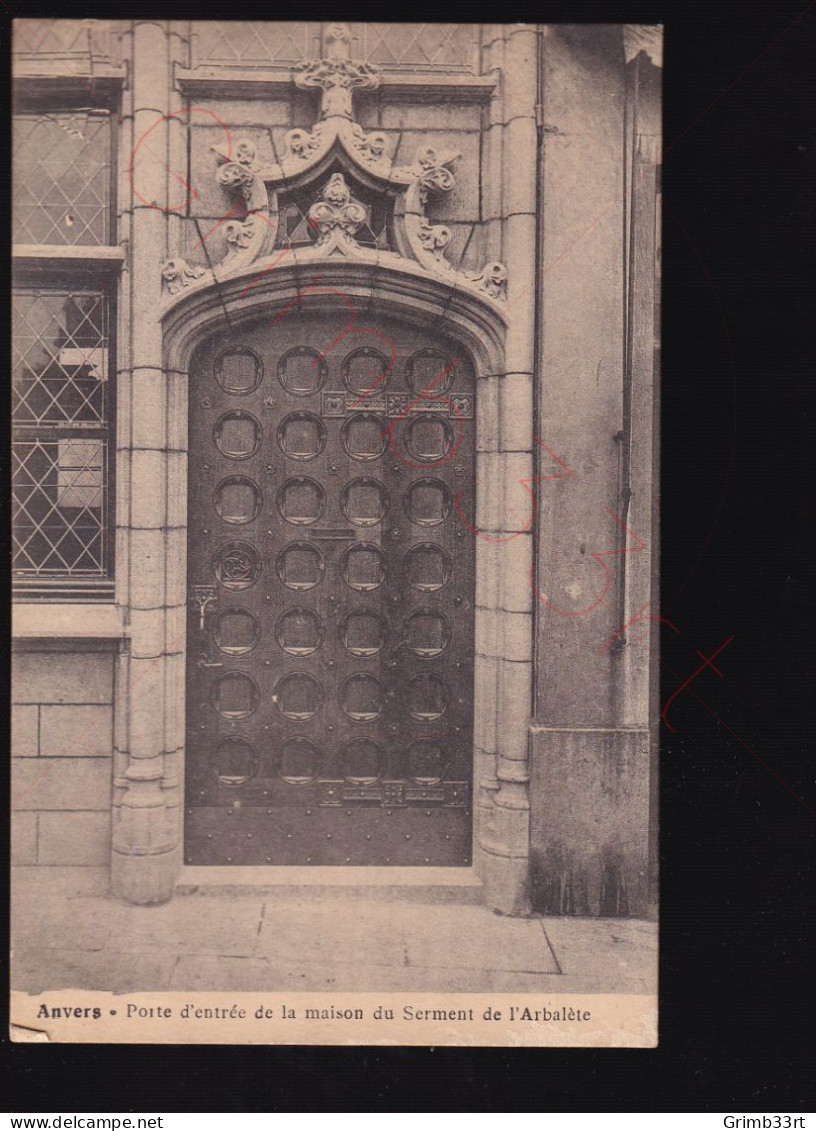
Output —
<point x="330" y="632"/>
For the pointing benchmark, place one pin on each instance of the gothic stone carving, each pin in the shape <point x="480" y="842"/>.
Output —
<point x="337" y="217"/>
<point x="177" y="274"/>
<point x="337" y="74"/>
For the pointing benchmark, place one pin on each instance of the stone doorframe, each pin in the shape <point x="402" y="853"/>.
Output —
<point x="150" y="730"/>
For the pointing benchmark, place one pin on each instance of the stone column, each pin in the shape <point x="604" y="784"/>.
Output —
<point x="504" y="519"/>
<point x="146" y="829"/>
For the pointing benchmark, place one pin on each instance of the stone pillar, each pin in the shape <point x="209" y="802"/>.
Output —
<point x="504" y="466"/>
<point x="590" y="744"/>
<point x="146" y="829"/>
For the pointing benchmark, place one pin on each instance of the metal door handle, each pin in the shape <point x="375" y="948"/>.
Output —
<point x="202" y="596"/>
<point x="203" y="662"/>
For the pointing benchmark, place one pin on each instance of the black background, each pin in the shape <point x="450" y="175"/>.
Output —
<point x="737" y="785"/>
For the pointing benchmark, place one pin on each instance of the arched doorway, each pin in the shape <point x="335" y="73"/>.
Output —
<point x="330" y="637"/>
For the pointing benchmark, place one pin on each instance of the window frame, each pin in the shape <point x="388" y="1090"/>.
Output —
<point x="74" y="267"/>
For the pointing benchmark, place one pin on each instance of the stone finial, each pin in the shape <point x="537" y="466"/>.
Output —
<point x="336" y="74"/>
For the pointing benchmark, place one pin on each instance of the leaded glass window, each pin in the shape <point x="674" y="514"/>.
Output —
<point x="62" y="177"/>
<point x="60" y="457"/>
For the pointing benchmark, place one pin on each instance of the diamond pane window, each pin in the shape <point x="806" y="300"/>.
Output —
<point x="58" y="508"/>
<point x="418" y="46"/>
<point x="62" y="177"/>
<point x="236" y="42"/>
<point x="60" y="464"/>
<point x="60" y="357"/>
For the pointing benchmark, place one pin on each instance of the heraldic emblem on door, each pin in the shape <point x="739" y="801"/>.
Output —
<point x="331" y="584"/>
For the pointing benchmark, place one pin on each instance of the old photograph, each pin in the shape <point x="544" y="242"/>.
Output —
<point x="335" y="532"/>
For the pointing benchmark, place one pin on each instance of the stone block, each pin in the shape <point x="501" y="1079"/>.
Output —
<point x="227" y="113"/>
<point x="589" y="837"/>
<point x="176" y="411"/>
<point x="74" y="838"/>
<point x="519" y="488"/>
<point x="23" y="838"/>
<point x="148" y="392"/>
<point x="146" y="699"/>
<point x="405" y="115"/>
<point x="175" y="546"/>
<point x="487" y="574"/>
<point x="147" y="166"/>
<point x="517" y="636"/>
<point x="24" y="731"/>
<point x="60" y="783"/>
<point x="150" y="65"/>
<point x="62" y="677"/>
<point x="515" y="706"/>
<point x="147" y="628"/>
<point x="485" y="700"/>
<point x="489" y="499"/>
<point x="147" y="552"/>
<point x="76" y="731"/>
<point x="488" y="632"/>
<point x="520" y="190"/>
<point x="516" y="408"/>
<point x="176" y="464"/>
<point x="516" y="562"/>
<point x="487" y="414"/>
<point x="147" y="484"/>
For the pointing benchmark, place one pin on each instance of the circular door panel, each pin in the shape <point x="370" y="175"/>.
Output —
<point x="300" y="566"/>
<point x="236" y="631"/>
<point x="302" y="436"/>
<point x="298" y="762"/>
<point x="236" y="565"/>
<point x="239" y="371"/>
<point x="301" y="501"/>
<point x="364" y="502"/>
<point x="299" y="632"/>
<point x="235" y="761"/>
<point x="363" y="567"/>
<point x="427" y="502"/>
<point x="298" y="696"/>
<point x="425" y="762"/>
<point x="238" y="435"/>
<point x="235" y="695"/>
<point x="361" y="761"/>
<point x="364" y="436"/>
<point x="302" y="371"/>
<point x="363" y="633"/>
<point x="429" y="373"/>
<point x="237" y="500"/>
<point x="427" y="567"/>
<point x="428" y="437"/>
<point x="366" y="372"/>
<point x="362" y="697"/>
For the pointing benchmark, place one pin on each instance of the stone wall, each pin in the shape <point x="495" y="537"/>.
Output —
<point x="61" y="744"/>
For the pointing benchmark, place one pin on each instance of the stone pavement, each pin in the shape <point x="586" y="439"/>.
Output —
<point x="314" y="939"/>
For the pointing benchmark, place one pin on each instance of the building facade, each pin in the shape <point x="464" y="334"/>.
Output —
<point x="335" y="524"/>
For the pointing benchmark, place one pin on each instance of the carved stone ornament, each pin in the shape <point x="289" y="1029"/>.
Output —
<point x="337" y="216"/>
<point x="177" y="274"/>
<point x="492" y="280"/>
<point x="337" y="74"/>
<point x="250" y="227"/>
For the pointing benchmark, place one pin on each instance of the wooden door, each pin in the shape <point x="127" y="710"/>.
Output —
<point x="331" y="581"/>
